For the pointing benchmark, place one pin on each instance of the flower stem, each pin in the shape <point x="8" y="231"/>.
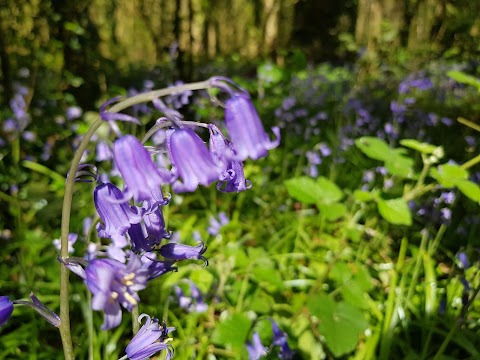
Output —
<point x="64" y="328"/>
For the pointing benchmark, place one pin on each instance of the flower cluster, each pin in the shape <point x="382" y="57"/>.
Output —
<point x="131" y="219"/>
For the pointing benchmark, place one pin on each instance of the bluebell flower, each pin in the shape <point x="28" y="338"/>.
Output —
<point x="6" y="309"/>
<point x="280" y="340"/>
<point x="177" y="100"/>
<point x="73" y="112"/>
<point x="255" y="348"/>
<point x="246" y="130"/>
<point x="192" y="303"/>
<point x="463" y="258"/>
<point x="35" y="304"/>
<point x="145" y="239"/>
<point x="104" y="153"/>
<point x="112" y="284"/>
<point x="43" y="310"/>
<point x="155" y="226"/>
<point x="156" y="267"/>
<point x="232" y="178"/>
<point x="183" y="300"/>
<point x="180" y="252"/>
<point x="116" y="217"/>
<point x="142" y="178"/>
<point x="72" y="239"/>
<point x="198" y="305"/>
<point x="150" y="339"/>
<point x="216" y="225"/>
<point x="191" y="160"/>
<point x="110" y="116"/>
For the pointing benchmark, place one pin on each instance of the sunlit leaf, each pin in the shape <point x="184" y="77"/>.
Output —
<point x="374" y="148"/>
<point x="395" y="211"/>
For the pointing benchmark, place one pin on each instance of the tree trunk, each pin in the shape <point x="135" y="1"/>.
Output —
<point x="6" y="68"/>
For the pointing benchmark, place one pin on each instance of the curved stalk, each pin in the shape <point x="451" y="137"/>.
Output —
<point x="64" y="327"/>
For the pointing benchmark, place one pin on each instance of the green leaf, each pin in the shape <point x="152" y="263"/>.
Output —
<point x="421" y="147"/>
<point x="309" y="191"/>
<point x="399" y="164"/>
<point x="469" y="189"/>
<point x="374" y="148"/>
<point x="232" y="332"/>
<point x="260" y="302"/>
<point x="464" y="78"/>
<point x="329" y="191"/>
<point x="363" y="196"/>
<point x="268" y="275"/>
<point x="304" y="189"/>
<point x="395" y="211"/>
<point x="332" y="212"/>
<point x="339" y="323"/>
<point x="448" y="175"/>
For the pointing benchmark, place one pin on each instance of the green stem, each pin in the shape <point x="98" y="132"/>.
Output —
<point x="135" y="323"/>
<point x="64" y="328"/>
<point x="471" y="162"/>
<point x="389" y="320"/>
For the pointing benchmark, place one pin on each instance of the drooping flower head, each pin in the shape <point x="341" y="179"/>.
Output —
<point x="116" y="217"/>
<point x="150" y="339"/>
<point x="180" y="252"/>
<point x="232" y="178"/>
<point x="6" y="309"/>
<point x="142" y="178"/>
<point x="191" y="160"/>
<point x="244" y="126"/>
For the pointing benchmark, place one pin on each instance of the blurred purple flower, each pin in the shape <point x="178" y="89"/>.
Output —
<point x="104" y="152"/>
<point x="255" y="348"/>
<point x="463" y="258"/>
<point x="216" y="225"/>
<point x="72" y="238"/>
<point x="73" y="112"/>
<point x="280" y="340"/>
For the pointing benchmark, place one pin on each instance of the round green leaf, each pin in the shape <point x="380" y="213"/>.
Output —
<point x="374" y="148"/>
<point x="395" y="211"/>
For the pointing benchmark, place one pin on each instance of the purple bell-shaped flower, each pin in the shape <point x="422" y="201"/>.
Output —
<point x="191" y="160"/>
<point x="246" y="130"/>
<point x="117" y="217"/>
<point x="142" y="178"/>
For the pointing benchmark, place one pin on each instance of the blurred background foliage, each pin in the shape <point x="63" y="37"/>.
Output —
<point x="85" y="46"/>
<point x="332" y="74"/>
